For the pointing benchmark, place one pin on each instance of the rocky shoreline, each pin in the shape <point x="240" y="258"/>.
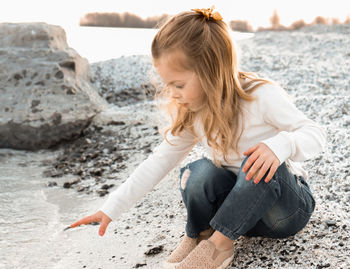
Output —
<point x="312" y="64"/>
<point x="101" y="153"/>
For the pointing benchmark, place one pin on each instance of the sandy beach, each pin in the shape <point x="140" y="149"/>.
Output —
<point x="311" y="64"/>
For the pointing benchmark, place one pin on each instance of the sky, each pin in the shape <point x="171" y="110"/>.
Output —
<point x="256" y="12"/>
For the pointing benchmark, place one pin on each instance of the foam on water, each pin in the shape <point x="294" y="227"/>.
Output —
<point x="26" y="218"/>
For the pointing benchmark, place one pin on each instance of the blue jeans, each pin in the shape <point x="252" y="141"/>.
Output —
<point x="218" y="198"/>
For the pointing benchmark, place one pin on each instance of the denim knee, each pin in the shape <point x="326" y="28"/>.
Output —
<point x="196" y="177"/>
<point x="203" y="178"/>
<point x="203" y="187"/>
<point x="243" y="183"/>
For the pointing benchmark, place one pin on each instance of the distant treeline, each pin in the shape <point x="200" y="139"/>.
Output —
<point x="133" y="21"/>
<point x="121" y="20"/>
<point x="277" y="26"/>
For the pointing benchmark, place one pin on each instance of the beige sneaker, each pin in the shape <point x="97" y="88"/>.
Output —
<point x="205" y="255"/>
<point x="184" y="248"/>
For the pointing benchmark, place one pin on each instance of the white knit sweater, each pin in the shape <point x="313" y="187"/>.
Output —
<point x="271" y="118"/>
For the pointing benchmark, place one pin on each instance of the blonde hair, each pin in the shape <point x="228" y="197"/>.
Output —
<point x="210" y="53"/>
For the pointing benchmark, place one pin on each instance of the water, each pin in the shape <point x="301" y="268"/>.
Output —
<point x="24" y="208"/>
<point x="32" y="216"/>
<point x="104" y="43"/>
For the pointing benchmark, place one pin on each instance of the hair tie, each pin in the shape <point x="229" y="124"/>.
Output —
<point x="208" y="13"/>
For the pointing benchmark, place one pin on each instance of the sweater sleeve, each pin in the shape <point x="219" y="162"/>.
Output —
<point x="298" y="138"/>
<point x="149" y="173"/>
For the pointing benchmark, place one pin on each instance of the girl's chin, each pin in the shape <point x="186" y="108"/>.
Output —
<point x="189" y="107"/>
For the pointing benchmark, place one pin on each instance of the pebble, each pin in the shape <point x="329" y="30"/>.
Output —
<point x="51" y="184"/>
<point x="326" y="265"/>
<point x="154" y="250"/>
<point x="138" y="265"/>
<point x="331" y="223"/>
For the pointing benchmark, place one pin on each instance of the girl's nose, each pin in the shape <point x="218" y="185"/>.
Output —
<point x="175" y="94"/>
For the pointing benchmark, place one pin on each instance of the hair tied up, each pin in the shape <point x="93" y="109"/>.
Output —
<point x="208" y="13"/>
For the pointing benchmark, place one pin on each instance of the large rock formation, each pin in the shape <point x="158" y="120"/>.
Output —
<point x="46" y="93"/>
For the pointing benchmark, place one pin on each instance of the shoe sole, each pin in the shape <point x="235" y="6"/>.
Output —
<point x="169" y="265"/>
<point x="226" y="263"/>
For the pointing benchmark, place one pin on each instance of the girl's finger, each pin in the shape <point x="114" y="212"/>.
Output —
<point x="85" y="221"/>
<point x="256" y="166"/>
<point x="263" y="170"/>
<point x="273" y="170"/>
<point x="77" y="223"/>
<point x="105" y="222"/>
<point x="251" y="160"/>
<point x="250" y="150"/>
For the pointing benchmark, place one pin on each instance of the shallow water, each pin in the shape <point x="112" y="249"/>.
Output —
<point x="105" y="43"/>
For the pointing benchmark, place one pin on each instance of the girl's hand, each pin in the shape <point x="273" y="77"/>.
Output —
<point x="97" y="217"/>
<point x="261" y="159"/>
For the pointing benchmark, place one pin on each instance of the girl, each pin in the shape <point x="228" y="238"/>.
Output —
<point x="253" y="185"/>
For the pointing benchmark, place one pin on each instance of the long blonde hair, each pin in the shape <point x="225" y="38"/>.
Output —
<point x="210" y="53"/>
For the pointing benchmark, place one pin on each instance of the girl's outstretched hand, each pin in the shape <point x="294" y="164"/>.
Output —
<point x="261" y="160"/>
<point x="99" y="216"/>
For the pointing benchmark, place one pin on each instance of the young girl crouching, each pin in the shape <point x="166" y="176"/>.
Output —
<point x="252" y="186"/>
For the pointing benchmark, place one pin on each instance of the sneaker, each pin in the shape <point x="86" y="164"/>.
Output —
<point x="205" y="255"/>
<point x="183" y="249"/>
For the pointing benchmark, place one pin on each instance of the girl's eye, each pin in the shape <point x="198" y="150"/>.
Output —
<point x="179" y="87"/>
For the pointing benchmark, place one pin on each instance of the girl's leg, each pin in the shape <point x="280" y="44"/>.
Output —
<point x="278" y="208"/>
<point x="237" y="207"/>
<point x="204" y="188"/>
<point x="291" y="212"/>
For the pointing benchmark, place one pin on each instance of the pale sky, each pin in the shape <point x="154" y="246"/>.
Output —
<point x="257" y="12"/>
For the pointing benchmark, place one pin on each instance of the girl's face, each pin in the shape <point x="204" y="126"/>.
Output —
<point x="183" y="85"/>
